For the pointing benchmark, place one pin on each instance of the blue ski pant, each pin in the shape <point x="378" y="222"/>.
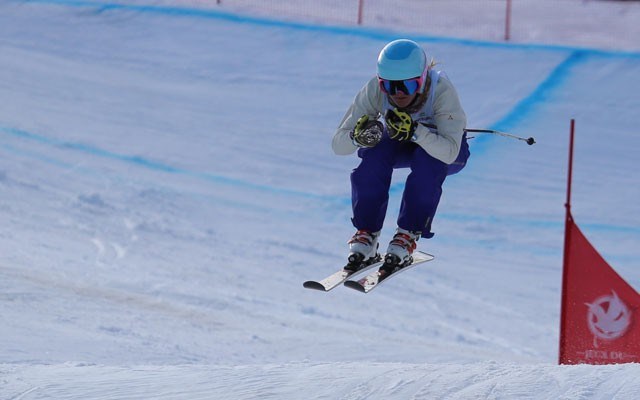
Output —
<point x="371" y="180"/>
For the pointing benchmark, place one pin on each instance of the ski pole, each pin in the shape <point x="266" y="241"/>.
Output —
<point x="529" y="140"/>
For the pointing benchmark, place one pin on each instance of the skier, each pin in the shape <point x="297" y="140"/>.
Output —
<point x="422" y="128"/>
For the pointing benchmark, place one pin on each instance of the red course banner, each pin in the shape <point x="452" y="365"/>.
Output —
<point x="600" y="318"/>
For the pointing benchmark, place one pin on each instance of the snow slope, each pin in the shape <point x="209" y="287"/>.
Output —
<point x="168" y="184"/>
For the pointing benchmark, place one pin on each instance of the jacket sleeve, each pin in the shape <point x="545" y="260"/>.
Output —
<point x="450" y="119"/>
<point x="368" y="101"/>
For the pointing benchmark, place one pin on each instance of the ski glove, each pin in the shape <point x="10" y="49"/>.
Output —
<point x="399" y="125"/>
<point x="367" y="133"/>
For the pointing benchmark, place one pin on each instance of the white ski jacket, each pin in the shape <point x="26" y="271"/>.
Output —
<point x="441" y="109"/>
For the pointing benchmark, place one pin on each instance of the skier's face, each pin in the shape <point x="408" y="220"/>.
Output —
<point x="402" y="100"/>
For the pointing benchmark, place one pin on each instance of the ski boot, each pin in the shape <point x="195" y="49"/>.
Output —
<point x="363" y="250"/>
<point x="400" y="250"/>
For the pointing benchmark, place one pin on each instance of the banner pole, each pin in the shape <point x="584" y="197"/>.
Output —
<point x="507" y="22"/>
<point x="567" y="240"/>
<point x="570" y="171"/>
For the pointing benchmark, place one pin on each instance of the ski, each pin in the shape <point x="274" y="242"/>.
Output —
<point x="376" y="278"/>
<point x="342" y="275"/>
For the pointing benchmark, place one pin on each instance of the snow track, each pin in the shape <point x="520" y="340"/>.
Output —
<point x="343" y="381"/>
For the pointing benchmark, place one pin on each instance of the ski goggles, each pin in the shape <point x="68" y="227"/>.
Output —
<point x="406" y="86"/>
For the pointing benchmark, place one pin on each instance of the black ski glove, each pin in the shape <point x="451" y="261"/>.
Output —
<point x="400" y="126"/>
<point x="367" y="133"/>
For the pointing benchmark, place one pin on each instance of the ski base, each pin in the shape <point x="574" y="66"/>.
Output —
<point x="338" y="277"/>
<point x="376" y="278"/>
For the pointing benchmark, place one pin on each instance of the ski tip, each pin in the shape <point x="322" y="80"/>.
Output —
<point x="423" y="255"/>
<point x="314" y="285"/>
<point x="355" y="285"/>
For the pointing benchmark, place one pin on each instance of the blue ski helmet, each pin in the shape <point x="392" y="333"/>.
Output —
<point x="402" y="59"/>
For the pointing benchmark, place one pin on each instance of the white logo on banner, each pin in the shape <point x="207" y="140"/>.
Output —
<point x="608" y="318"/>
